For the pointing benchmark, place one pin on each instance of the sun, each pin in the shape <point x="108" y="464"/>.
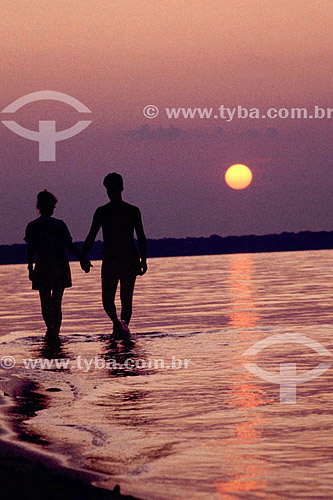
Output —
<point x="238" y="176"/>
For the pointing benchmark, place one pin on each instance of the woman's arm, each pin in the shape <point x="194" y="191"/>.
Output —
<point x="74" y="250"/>
<point x="30" y="256"/>
<point x="142" y="242"/>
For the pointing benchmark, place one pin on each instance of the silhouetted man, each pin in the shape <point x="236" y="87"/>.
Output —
<point x="121" y="261"/>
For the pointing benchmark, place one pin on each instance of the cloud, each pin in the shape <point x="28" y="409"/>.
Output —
<point x="255" y="133"/>
<point x="271" y="131"/>
<point x="148" y="132"/>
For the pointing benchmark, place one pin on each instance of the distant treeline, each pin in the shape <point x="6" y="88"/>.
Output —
<point x="171" y="247"/>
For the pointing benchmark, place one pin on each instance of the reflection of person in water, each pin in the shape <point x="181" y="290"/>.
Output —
<point x="47" y="239"/>
<point x="121" y="261"/>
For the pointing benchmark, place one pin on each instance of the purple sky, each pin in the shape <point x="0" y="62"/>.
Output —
<point x="116" y="57"/>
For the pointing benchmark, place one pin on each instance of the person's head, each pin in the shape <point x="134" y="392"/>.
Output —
<point x="46" y="203"/>
<point x="114" y="185"/>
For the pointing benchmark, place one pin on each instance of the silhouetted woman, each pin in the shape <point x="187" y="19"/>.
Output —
<point x="47" y="240"/>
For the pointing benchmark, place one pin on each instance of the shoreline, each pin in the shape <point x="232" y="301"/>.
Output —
<point x="201" y="246"/>
<point x="26" y="472"/>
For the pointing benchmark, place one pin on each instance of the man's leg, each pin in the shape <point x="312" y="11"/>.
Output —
<point x="46" y="305"/>
<point x="126" y="297"/>
<point x="57" y="294"/>
<point x="109" y="288"/>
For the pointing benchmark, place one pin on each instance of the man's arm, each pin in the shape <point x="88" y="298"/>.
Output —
<point x="142" y="242"/>
<point x="89" y="241"/>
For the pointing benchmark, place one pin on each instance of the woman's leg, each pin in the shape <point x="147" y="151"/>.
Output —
<point x="57" y="294"/>
<point x="46" y="305"/>
<point x="126" y="297"/>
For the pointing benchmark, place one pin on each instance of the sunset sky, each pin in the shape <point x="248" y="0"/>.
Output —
<point x="117" y="56"/>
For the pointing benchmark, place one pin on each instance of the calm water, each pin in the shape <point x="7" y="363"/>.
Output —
<point x="210" y="431"/>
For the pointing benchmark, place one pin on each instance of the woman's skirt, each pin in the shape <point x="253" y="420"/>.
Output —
<point x="52" y="271"/>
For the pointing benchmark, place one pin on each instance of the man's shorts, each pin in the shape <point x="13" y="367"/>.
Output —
<point x="117" y="268"/>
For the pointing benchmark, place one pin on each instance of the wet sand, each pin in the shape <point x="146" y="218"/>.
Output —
<point x="27" y="474"/>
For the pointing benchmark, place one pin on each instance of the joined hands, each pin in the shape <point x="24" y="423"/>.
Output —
<point x="85" y="265"/>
